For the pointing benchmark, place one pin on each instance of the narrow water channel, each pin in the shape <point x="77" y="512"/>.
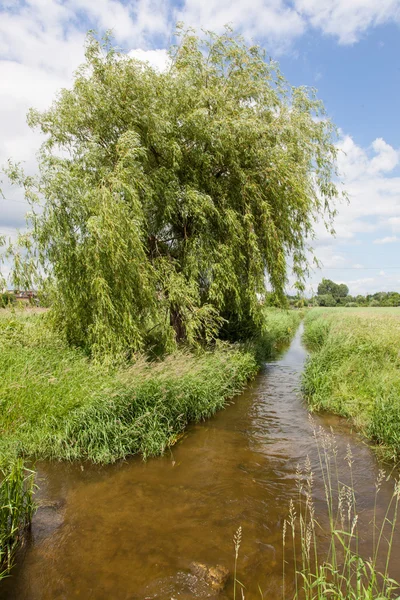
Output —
<point x="131" y="530"/>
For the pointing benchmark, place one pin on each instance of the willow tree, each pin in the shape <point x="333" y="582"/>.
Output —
<point x="169" y="198"/>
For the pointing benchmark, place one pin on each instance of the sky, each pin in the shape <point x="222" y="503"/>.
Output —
<point x="348" y="49"/>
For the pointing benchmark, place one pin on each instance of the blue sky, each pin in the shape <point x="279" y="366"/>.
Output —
<point x="348" y="49"/>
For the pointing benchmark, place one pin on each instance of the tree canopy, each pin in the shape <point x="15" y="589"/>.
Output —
<point x="170" y="197"/>
<point x="337" y="290"/>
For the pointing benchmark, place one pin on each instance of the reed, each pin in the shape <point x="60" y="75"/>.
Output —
<point x="322" y="558"/>
<point x="237" y="540"/>
<point x="329" y="563"/>
<point x="16" y="510"/>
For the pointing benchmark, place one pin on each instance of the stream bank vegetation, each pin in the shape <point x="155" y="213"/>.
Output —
<point x="58" y="404"/>
<point x="354" y="370"/>
<point x="16" y="509"/>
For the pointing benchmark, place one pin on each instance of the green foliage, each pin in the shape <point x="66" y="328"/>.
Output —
<point x="168" y="196"/>
<point x="57" y="404"/>
<point x="337" y="297"/>
<point x="316" y="330"/>
<point x="332" y="294"/>
<point x="6" y="299"/>
<point x="278" y="328"/>
<point x="16" y="510"/>
<point x="374" y="303"/>
<point x="326" y="300"/>
<point x="354" y="370"/>
<point x="337" y="290"/>
<point x="383" y="299"/>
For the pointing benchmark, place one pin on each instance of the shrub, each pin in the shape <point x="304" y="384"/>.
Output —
<point x="6" y="300"/>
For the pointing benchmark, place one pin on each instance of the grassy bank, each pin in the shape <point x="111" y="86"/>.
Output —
<point x="354" y="370"/>
<point x="57" y="405"/>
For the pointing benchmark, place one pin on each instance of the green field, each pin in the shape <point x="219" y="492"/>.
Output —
<point x="354" y="369"/>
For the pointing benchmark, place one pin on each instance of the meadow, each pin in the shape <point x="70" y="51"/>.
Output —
<point x="354" y="370"/>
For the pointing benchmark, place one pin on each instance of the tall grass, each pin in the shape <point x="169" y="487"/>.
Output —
<point x="354" y="370"/>
<point x="278" y="329"/>
<point x="58" y="405"/>
<point x="16" y="510"/>
<point x="326" y="557"/>
<point x="321" y="544"/>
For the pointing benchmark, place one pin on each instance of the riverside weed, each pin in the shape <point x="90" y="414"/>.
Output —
<point x="329" y="564"/>
<point x="16" y="510"/>
<point x="321" y="546"/>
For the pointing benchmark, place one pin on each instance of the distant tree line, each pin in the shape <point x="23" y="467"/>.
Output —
<point x="337" y="294"/>
<point x="333" y="294"/>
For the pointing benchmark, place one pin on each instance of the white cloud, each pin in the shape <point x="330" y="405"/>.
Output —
<point x="130" y="22"/>
<point x="357" y="282"/>
<point x="387" y="240"/>
<point x="386" y="159"/>
<point x="374" y="193"/>
<point x="382" y="282"/>
<point x="330" y="257"/>
<point x="355" y="161"/>
<point x="274" y="20"/>
<point x="369" y="177"/>
<point x="158" y="59"/>
<point x="41" y="44"/>
<point x="348" y="20"/>
<point x="282" y="21"/>
<point x="394" y="223"/>
<point x="41" y="38"/>
<point x="38" y="54"/>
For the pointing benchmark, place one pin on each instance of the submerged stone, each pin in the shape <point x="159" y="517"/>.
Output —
<point x="216" y="577"/>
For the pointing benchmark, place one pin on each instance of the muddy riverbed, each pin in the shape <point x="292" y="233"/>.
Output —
<point x="132" y="530"/>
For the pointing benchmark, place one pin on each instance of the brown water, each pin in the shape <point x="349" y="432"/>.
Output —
<point x="131" y="530"/>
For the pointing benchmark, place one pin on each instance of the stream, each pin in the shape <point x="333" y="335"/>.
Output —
<point x="132" y="530"/>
